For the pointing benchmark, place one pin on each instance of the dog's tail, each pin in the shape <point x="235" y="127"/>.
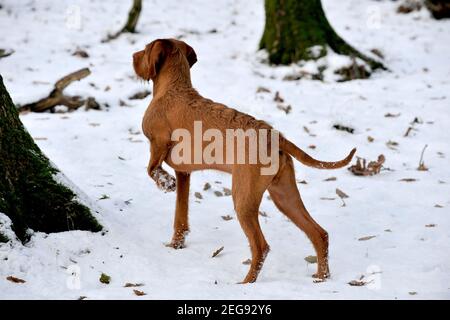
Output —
<point x="306" y="159"/>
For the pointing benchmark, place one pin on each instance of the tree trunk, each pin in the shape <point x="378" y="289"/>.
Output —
<point x="293" y="27"/>
<point x="130" y="25"/>
<point x="133" y="17"/>
<point x="440" y="9"/>
<point x="29" y="194"/>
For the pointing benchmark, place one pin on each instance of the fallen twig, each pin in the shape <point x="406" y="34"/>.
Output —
<point x="422" y="166"/>
<point x="57" y="97"/>
<point x="217" y="252"/>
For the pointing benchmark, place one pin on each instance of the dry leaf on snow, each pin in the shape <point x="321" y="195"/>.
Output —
<point x="366" y="238"/>
<point x="15" y="280"/>
<point x="357" y="283"/>
<point x="130" y="285"/>
<point x="342" y="195"/>
<point x="361" y="169"/>
<point x="207" y="186"/>
<point x="311" y="259"/>
<point x="198" y="195"/>
<point x="139" y="293"/>
<point x="248" y="261"/>
<point x="217" y="252"/>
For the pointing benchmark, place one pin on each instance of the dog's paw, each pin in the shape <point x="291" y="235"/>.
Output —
<point x="168" y="183"/>
<point x="176" y="244"/>
<point x="164" y="180"/>
<point x="318" y="278"/>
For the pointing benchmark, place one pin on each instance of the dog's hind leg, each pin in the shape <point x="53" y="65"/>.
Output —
<point x="181" y="225"/>
<point x="247" y="199"/>
<point x="248" y="218"/>
<point x="286" y="197"/>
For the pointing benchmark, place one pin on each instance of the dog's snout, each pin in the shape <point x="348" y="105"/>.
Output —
<point x="137" y="63"/>
<point x="137" y="55"/>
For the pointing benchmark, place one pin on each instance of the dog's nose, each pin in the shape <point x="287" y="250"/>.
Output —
<point x="137" y="55"/>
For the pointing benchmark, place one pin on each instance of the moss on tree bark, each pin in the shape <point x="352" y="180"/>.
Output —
<point x="29" y="194"/>
<point x="440" y="9"/>
<point x="3" y="238"/>
<point x="294" y="26"/>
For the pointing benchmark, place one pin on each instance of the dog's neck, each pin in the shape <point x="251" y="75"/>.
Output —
<point x="173" y="74"/>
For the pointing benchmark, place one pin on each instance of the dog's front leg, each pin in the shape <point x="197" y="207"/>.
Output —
<point x="163" y="179"/>
<point x="180" y="224"/>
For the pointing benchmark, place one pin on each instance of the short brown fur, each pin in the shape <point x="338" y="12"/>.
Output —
<point x="176" y="104"/>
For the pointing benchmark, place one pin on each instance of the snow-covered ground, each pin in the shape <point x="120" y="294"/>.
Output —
<point x="105" y="155"/>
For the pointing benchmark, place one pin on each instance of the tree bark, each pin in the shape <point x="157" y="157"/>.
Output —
<point x="293" y="27"/>
<point x="440" y="9"/>
<point x="29" y="194"/>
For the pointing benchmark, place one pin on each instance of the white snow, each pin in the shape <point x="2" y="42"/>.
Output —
<point x="86" y="146"/>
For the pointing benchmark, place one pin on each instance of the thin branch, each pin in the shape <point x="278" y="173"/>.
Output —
<point x="57" y="97"/>
<point x="422" y="166"/>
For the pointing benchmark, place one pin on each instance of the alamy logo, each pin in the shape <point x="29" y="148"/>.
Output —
<point x="228" y="148"/>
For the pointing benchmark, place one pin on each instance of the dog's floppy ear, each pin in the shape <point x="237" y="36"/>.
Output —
<point x="156" y="53"/>
<point x="190" y="55"/>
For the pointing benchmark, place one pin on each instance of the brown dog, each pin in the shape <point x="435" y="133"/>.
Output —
<point x="176" y="104"/>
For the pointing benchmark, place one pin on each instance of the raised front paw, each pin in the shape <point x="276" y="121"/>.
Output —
<point x="164" y="180"/>
<point x="176" y="244"/>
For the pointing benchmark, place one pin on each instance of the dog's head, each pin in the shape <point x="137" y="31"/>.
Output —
<point x="148" y="62"/>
